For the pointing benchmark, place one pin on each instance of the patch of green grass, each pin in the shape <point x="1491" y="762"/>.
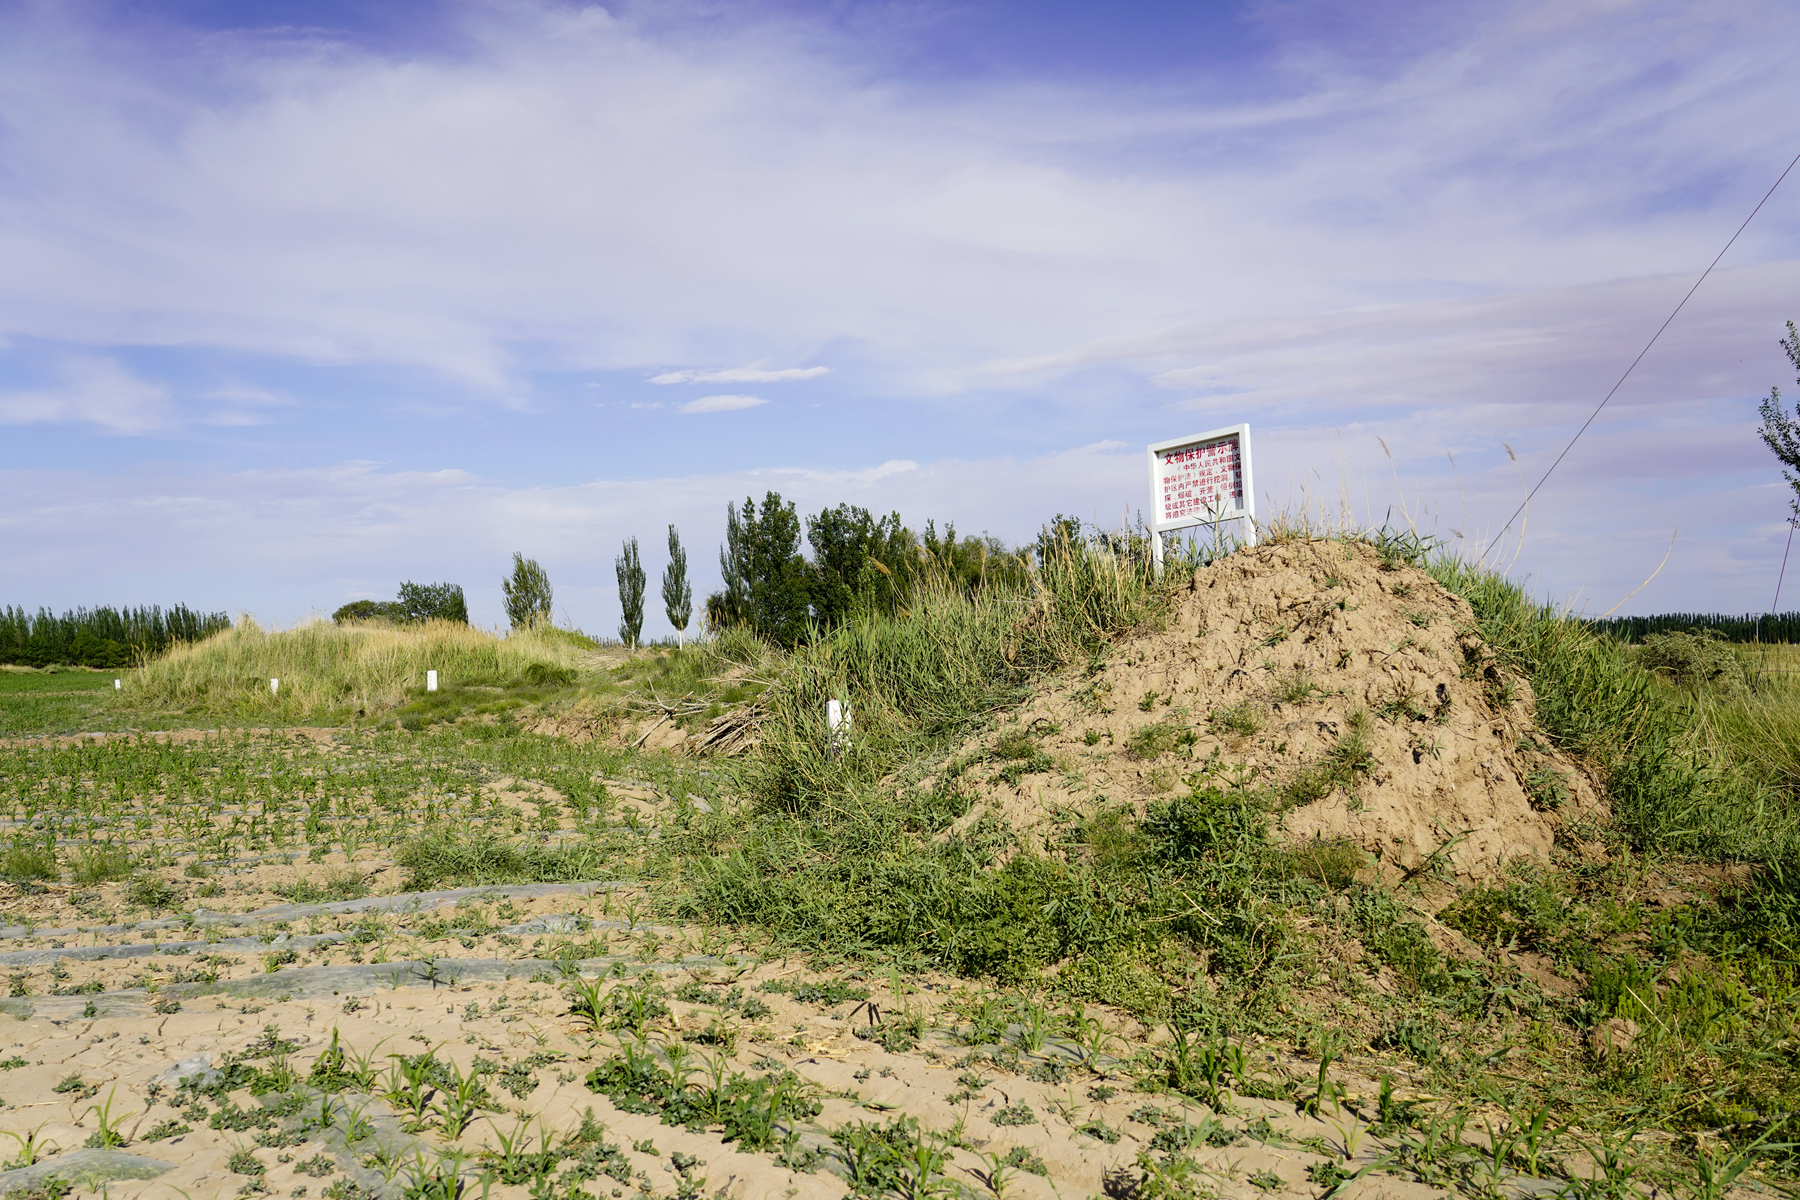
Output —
<point x="1155" y="740"/>
<point x="100" y="862"/>
<point x="1294" y="687"/>
<point x="1341" y="768"/>
<point x="67" y="701"/>
<point x="1333" y="864"/>
<point x="343" y="884"/>
<point x="149" y="890"/>
<point x="1241" y="720"/>
<point x="1020" y="755"/>
<point x="26" y="861"/>
<point x="54" y="682"/>
<point x="447" y="858"/>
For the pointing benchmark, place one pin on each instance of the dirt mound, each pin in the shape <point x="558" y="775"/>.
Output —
<point x="1351" y="688"/>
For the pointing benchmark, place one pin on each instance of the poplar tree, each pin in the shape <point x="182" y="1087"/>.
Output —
<point x="1780" y="431"/>
<point x="527" y="592"/>
<point x="677" y="593"/>
<point x="765" y="576"/>
<point x="630" y="571"/>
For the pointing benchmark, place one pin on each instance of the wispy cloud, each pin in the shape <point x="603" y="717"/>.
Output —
<point x="95" y="391"/>
<point x="741" y="375"/>
<point x="717" y="404"/>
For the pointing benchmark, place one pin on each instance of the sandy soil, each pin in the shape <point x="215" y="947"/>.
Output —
<point x="1271" y="659"/>
<point x="1068" y="1106"/>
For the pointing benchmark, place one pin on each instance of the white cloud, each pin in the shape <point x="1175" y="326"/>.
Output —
<point x="715" y="404"/>
<point x="741" y="375"/>
<point x="95" y="391"/>
<point x="580" y="191"/>
<point x="1520" y="359"/>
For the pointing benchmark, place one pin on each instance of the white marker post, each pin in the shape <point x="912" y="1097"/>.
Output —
<point x="837" y="721"/>
<point x="1201" y="480"/>
<point x="431" y="681"/>
<point x="274" y="686"/>
<point x="117" y="686"/>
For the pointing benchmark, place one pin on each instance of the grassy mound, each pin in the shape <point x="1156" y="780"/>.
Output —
<point x="329" y="670"/>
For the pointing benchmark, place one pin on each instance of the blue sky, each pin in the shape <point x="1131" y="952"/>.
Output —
<point x="300" y="300"/>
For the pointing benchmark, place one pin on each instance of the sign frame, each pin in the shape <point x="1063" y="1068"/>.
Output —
<point x="1245" y="512"/>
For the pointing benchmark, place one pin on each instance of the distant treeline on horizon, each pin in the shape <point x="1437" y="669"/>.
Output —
<point x="1749" y="627"/>
<point x="99" y="637"/>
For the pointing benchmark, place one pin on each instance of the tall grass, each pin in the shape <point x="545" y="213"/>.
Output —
<point x="329" y="669"/>
<point x="920" y="678"/>
<point x="838" y="849"/>
<point x="1687" y="771"/>
<point x="1596" y="699"/>
<point x="1755" y="724"/>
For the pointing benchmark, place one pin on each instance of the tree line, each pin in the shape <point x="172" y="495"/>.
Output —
<point x="1729" y="627"/>
<point x="859" y="562"/>
<point x="416" y="602"/>
<point x="100" y="637"/>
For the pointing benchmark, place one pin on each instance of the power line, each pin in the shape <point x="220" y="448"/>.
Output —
<point x="1526" y="503"/>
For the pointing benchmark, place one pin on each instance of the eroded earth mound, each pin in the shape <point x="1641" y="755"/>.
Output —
<point x="1350" y="687"/>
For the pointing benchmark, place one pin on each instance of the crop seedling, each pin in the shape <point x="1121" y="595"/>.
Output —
<point x="31" y="1147"/>
<point x="412" y="1084"/>
<point x="513" y="1161"/>
<point x="1324" y="1087"/>
<point x="997" y="1178"/>
<point x="357" y="1125"/>
<point x="463" y="1099"/>
<point x="107" y="1134"/>
<point x="440" y="1179"/>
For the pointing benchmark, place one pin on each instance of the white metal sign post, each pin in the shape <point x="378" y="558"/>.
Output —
<point x="1201" y="480"/>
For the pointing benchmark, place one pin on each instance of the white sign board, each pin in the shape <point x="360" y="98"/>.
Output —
<point x="1201" y="480"/>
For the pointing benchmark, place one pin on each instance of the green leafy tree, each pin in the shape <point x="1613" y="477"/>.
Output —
<point x="630" y="570"/>
<point x="433" y="602"/>
<point x="677" y="593"/>
<point x="417" y="602"/>
<point x="859" y="561"/>
<point x="731" y="604"/>
<point x="528" y="593"/>
<point x="367" y="610"/>
<point x="766" y="579"/>
<point x="1781" y="432"/>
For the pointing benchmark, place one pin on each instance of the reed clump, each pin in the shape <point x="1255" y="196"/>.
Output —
<point x="328" y="669"/>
